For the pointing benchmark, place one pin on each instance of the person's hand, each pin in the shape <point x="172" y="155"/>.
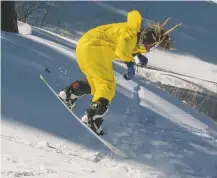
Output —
<point x="130" y="71"/>
<point x="141" y="60"/>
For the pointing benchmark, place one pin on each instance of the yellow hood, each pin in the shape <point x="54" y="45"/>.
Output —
<point x="134" y="20"/>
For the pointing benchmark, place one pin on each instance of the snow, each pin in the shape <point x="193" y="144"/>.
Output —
<point x="163" y="137"/>
<point x="24" y="28"/>
<point x="204" y="75"/>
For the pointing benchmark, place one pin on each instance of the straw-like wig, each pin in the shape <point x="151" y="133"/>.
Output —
<point x="155" y="35"/>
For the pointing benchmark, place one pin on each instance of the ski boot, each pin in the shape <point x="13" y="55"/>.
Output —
<point x="69" y="100"/>
<point x="71" y="93"/>
<point x="94" y="115"/>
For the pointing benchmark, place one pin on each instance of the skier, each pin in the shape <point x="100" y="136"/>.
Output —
<point x="95" y="52"/>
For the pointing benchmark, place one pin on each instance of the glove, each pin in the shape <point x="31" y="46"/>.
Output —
<point x="141" y="60"/>
<point x="130" y="71"/>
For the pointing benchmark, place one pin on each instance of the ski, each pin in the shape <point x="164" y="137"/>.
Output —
<point x="109" y="145"/>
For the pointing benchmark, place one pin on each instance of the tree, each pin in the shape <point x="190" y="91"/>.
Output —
<point x="8" y="17"/>
<point x="33" y="13"/>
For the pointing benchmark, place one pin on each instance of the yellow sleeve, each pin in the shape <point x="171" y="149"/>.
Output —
<point x="125" y="46"/>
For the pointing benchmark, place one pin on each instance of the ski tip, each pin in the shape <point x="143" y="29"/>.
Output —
<point x="116" y="150"/>
<point x="122" y="154"/>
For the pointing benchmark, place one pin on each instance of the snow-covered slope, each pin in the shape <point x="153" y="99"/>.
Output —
<point x="163" y="137"/>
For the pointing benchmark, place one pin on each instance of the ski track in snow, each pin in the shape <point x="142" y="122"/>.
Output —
<point x="45" y="147"/>
<point x="163" y="137"/>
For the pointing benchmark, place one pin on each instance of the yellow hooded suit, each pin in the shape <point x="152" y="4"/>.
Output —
<point x="100" y="46"/>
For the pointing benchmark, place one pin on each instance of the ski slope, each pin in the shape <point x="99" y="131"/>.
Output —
<point x="163" y="137"/>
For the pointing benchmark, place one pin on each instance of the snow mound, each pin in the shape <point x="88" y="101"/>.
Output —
<point x="24" y="28"/>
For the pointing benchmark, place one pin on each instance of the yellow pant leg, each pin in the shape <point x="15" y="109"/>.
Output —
<point x="96" y="64"/>
<point x="104" y="89"/>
